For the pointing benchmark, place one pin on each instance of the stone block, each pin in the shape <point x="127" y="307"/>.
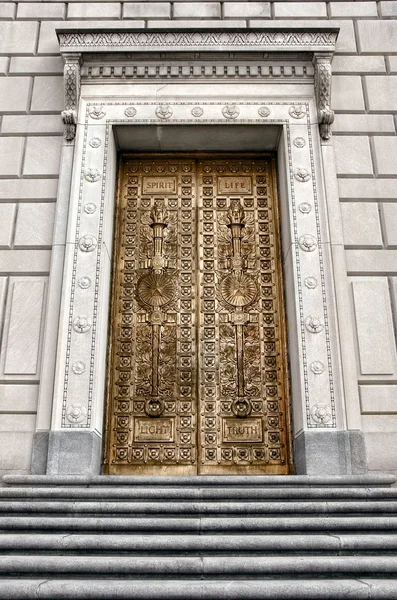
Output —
<point x="42" y="155"/>
<point x="371" y="262"/>
<point x="16" y="450"/>
<point x="14" y="94"/>
<point x="36" y="65"/>
<point x="50" y="124"/>
<point x="311" y="10"/>
<point x="389" y="218"/>
<point x="7" y="220"/>
<point x="18" y="398"/>
<point x="17" y="422"/>
<point x="7" y="10"/>
<point x="358" y="64"/>
<point x="377" y="37"/>
<point x="35" y="224"/>
<point x="42" y="11"/>
<point x="47" y="95"/>
<point x="353" y="9"/>
<point x="245" y="10"/>
<point x="146" y="10"/>
<point x="381" y="451"/>
<point x="197" y="10"/>
<point x="11" y="149"/>
<point x="25" y="261"/>
<point x="4" y="63"/>
<point x="378" y="398"/>
<point x="388" y="8"/>
<point x="18" y="37"/>
<point x="197" y="24"/>
<point x="330" y="453"/>
<point x="370" y="189"/>
<point x="347" y="93"/>
<point x="392" y="63"/>
<point x="348" y="123"/>
<point x="379" y="423"/>
<point x="94" y="10"/>
<point x="353" y="155"/>
<point x="74" y="453"/>
<point x="381" y="92"/>
<point x="23" y="326"/>
<point x="385" y="148"/>
<point x="361" y="224"/>
<point x="374" y="325"/>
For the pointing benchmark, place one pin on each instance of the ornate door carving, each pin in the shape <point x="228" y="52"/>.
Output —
<point x="197" y="378"/>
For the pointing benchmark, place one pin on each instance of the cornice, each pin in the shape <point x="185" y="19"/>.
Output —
<point x="274" y="38"/>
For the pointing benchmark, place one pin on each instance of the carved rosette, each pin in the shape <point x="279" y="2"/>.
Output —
<point x="71" y="75"/>
<point x="322" y="86"/>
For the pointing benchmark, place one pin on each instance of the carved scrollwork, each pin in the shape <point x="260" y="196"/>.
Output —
<point x="71" y="79"/>
<point x="322" y="86"/>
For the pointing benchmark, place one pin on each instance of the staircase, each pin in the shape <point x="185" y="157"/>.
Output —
<point x="191" y="538"/>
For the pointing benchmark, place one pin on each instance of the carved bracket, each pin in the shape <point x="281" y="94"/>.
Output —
<point x="72" y="76"/>
<point x="322" y="87"/>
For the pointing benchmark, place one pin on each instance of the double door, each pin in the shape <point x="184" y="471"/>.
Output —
<point x="197" y="368"/>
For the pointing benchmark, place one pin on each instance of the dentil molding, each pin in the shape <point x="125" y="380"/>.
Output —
<point x="318" y="43"/>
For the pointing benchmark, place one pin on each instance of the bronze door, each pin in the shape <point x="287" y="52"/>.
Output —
<point x="197" y="377"/>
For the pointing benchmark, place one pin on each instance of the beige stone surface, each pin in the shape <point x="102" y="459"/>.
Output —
<point x="41" y="10"/>
<point x="347" y="93"/>
<point x="47" y="95"/>
<point x="18" y="37"/>
<point x="353" y="9"/>
<point x="353" y="155"/>
<point x="18" y="398"/>
<point x="17" y="422"/>
<point x="389" y="214"/>
<point x="380" y="423"/>
<point x="25" y="261"/>
<point x="392" y="63"/>
<point x="36" y="65"/>
<point x="7" y="10"/>
<point x="248" y="10"/>
<point x="385" y="155"/>
<point x="197" y="10"/>
<point x="35" y="224"/>
<point x="7" y="219"/>
<point x="378" y="398"/>
<point x="43" y="124"/>
<point x="307" y="10"/>
<point x="388" y="8"/>
<point x="94" y="10"/>
<point x="361" y="224"/>
<point x="42" y="155"/>
<point x="349" y="123"/>
<point x="16" y="451"/>
<point x="146" y="10"/>
<point x="11" y="149"/>
<point x="377" y="36"/>
<point x="358" y="64"/>
<point x="14" y="94"/>
<point x="28" y="189"/>
<point x="381" y="92"/>
<point x="4" y="65"/>
<point x="358" y="189"/>
<point x="371" y="262"/>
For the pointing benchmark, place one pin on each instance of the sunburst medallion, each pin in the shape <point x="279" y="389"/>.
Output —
<point x="238" y="289"/>
<point x="156" y="289"/>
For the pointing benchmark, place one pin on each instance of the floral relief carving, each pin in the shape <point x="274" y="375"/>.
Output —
<point x="305" y="207"/>
<point x="164" y="111"/>
<point x="320" y="413"/>
<point x="314" y="324"/>
<point x="301" y="174"/>
<point x="92" y="175"/>
<point x="95" y="142"/>
<point x="197" y="111"/>
<point x="311" y="283"/>
<point x="230" y="111"/>
<point x="307" y="243"/>
<point x="96" y="112"/>
<point x="130" y="111"/>
<point x="297" y="112"/>
<point x="299" y="142"/>
<point x="317" y="367"/>
<point x="90" y="208"/>
<point x="76" y="413"/>
<point x="78" y="367"/>
<point x="88" y="243"/>
<point x="82" y="323"/>
<point x="264" y="111"/>
<point x="84" y="282"/>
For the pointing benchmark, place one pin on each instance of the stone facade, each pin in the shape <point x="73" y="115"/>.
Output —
<point x="364" y="142"/>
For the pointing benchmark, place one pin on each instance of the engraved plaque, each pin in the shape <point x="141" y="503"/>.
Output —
<point x="159" y="185"/>
<point x="153" y="430"/>
<point x="242" y="430"/>
<point x="234" y="185"/>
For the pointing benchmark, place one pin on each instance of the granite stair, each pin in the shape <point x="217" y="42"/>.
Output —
<point x="198" y="538"/>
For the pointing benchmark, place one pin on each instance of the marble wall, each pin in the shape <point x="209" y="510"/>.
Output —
<point x="365" y="141"/>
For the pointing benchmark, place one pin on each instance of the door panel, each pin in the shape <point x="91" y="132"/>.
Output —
<point x="197" y="378"/>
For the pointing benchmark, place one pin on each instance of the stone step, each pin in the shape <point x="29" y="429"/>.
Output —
<point x="148" y="544"/>
<point x="227" y="589"/>
<point x="198" y="566"/>
<point x="184" y="507"/>
<point x="199" y="481"/>
<point x="165" y="493"/>
<point x="203" y="524"/>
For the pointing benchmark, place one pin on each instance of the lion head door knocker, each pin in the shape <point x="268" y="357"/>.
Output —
<point x="238" y="290"/>
<point x="156" y="289"/>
